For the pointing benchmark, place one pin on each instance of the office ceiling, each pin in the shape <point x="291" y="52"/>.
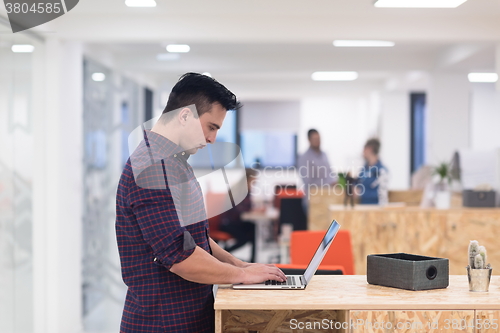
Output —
<point x="263" y="70"/>
<point x="278" y="21"/>
<point x="270" y="48"/>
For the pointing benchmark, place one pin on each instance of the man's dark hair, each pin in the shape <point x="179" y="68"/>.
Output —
<point x="374" y="145"/>
<point x="202" y="91"/>
<point x="311" y="132"/>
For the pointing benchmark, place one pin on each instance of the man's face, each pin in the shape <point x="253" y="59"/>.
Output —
<point x="315" y="140"/>
<point x="211" y="121"/>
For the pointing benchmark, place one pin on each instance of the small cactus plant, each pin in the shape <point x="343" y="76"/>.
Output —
<point x="478" y="262"/>
<point x="477" y="256"/>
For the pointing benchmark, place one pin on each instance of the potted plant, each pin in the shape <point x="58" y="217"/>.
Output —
<point x="478" y="272"/>
<point x="442" y="196"/>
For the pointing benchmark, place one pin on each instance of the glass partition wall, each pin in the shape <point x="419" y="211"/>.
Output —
<point x="16" y="180"/>
<point x="111" y="110"/>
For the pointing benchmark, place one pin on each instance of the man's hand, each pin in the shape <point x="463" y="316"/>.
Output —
<point x="201" y="267"/>
<point x="258" y="273"/>
<point x="245" y="264"/>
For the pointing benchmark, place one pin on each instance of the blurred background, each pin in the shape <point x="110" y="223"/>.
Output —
<point x="72" y="90"/>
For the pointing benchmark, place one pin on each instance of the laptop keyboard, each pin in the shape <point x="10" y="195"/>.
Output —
<point x="289" y="282"/>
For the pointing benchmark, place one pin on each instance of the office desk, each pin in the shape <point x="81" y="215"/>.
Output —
<point x="262" y="220"/>
<point x="350" y="302"/>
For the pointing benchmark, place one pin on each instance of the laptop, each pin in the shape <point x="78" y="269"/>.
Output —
<point x="300" y="281"/>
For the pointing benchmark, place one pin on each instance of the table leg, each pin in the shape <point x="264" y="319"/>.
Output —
<point x="218" y="321"/>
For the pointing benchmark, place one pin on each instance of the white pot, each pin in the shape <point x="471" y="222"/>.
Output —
<point x="442" y="200"/>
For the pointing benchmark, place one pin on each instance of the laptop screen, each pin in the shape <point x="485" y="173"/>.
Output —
<point x="321" y="251"/>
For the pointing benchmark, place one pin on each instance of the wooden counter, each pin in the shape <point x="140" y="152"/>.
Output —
<point x="359" y="307"/>
<point x="429" y="232"/>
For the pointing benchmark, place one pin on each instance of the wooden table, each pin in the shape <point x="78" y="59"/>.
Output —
<point x="349" y="304"/>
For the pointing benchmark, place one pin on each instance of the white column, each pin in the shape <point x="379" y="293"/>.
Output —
<point x="448" y="121"/>
<point x="39" y="193"/>
<point x="58" y="189"/>
<point x="497" y="65"/>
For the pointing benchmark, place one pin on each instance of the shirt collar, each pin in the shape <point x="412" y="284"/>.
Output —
<point x="162" y="148"/>
<point x="316" y="152"/>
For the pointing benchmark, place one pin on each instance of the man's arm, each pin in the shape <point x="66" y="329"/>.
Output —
<point x="158" y="219"/>
<point x="225" y="256"/>
<point x="201" y="267"/>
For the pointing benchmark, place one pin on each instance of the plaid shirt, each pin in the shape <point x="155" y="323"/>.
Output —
<point x="158" y="224"/>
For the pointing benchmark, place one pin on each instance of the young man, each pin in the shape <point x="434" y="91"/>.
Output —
<point x="168" y="260"/>
<point x="374" y="177"/>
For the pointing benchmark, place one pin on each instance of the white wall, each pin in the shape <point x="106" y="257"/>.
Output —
<point x="448" y="116"/>
<point x="270" y="115"/>
<point x="344" y="123"/>
<point x="395" y="138"/>
<point x="485" y="119"/>
<point x="485" y="116"/>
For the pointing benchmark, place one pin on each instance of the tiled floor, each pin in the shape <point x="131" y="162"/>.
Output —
<point x="105" y="318"/>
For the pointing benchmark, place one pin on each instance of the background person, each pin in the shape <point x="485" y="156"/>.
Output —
<point x="373" y="179"/>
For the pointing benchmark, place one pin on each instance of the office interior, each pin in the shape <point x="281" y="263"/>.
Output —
<point x="69" y="103"/>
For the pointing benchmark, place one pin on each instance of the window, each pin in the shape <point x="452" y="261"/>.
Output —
<point x="418" y="111"/>
<point x="269" y="149"/>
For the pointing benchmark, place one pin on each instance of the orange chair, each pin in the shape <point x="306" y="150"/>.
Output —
<point x="303" y="244"/>
<point x="291" y="268"/>
<point x="285" y="191"/>
<point x="214" y="230"/>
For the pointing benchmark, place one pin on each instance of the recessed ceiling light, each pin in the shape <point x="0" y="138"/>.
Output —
<point x="23" y="48"/>
<point x="98" y="77"/>
<point x="178" y="48"/>
<point x="418" y="3"/>
<point x="483" y="77"/>
<point x="334" y="76"/>
<point x="362" y="43"/>
<point x="140" y="3"/>
<point x="207" y="74"/>
<point x="168" y="56"/>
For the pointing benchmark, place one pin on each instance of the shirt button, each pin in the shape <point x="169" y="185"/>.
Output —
<point x="155" y="259"/>
<point x="183" y="153"/>
<point x="175" y="155"/>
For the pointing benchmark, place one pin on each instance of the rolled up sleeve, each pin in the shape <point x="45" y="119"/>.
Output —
<point x="159" y="220"/>
<point x="162" y="230"/>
